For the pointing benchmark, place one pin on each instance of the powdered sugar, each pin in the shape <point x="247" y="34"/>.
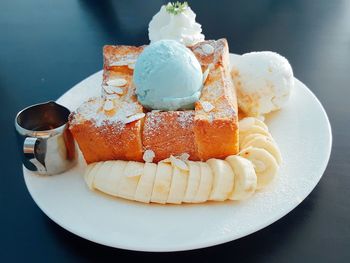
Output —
<point x="185" y="119"/>
<point x="92" y="110"/>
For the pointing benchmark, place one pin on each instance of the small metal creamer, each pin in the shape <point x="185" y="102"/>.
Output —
<point x="45" y="142"/>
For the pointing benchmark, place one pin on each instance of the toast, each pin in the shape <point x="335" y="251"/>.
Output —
<point x="203" y="133"/>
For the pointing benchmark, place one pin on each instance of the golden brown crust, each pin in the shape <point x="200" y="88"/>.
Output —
<point x="216" y="132"/>
<point x="199" y="133"/>
<point x="170" y="133"/>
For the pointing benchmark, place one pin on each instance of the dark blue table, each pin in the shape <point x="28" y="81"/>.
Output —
<point x="47" y="46"/>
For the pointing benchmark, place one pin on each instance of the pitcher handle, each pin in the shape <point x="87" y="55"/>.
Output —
<point x="30" y="151"/>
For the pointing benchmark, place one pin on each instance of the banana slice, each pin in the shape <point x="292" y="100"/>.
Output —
<point x="146" y="182"/>
<point x="101" y="176"/>
<point x="248" y="122"/>
<point x="265" y="165"/>
<point x="245" y="177"/>
<point x="130" y="179"/>
<point x="193" y="182"/>
<point x="223" y="179"/>
<point x="205" y="183"/>
<point x="91" y="173"/>
<point x="254" y="129"/>
<point x="108" y="177"/>
<point x="251" y="137"/>
<point x="264" y="142"/>
<point x="88" y="168"/>
<point x="178" y="186"/>
<point x="162" y="183"/>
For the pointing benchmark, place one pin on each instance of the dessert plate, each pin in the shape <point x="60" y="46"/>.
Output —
<point x="301" y="129"/>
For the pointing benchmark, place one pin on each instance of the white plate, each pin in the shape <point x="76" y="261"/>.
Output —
<point x="303" y="133"/>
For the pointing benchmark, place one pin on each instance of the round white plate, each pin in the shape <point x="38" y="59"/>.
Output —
<point x="303" y="133"/>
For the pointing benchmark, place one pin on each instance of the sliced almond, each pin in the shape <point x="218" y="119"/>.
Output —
<point x="118" y="82"/>
<point x="118" y="63"/>
<point x="184" y="157"/>
<point x="178" y="163"/>
<point x="207" y="106"/>
<point x="111" y="96"/>
<point x="113" y="90"/>
<point x="135" y="117"/>
<point x="206" y="72"/>
<point x="208" y="49"/>
<point x="108" y="105"/>
<point x="148" y="156"/>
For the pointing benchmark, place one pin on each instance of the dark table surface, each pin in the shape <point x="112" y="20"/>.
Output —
<point x="47" y="46"/>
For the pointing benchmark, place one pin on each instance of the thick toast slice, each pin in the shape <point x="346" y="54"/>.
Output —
<point x="115" y="130"/>
<point x="216" y="130"/>
<point x="170" y="133"/>
<point x="201" y="133"/>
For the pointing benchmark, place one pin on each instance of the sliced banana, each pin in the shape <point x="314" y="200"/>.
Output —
<point x="223" y="179"/>
<point x="162" y="183"/>
<point x="251" y="137"/>
<point x="91" y="173"/>
<point x="265" y="165"/>
<point x="248" y="122"/>
<point x="205" y="183"/>
<point x="104" y="179"/>
<point x="178" y="186"/>
<point x="131" y="176"/>
<point x="254" y="129"/>
<point x="145" y="186"/>
<point x="264" y="142"/>
<point x="245" y="177"/>
<point x="193" y="181"/>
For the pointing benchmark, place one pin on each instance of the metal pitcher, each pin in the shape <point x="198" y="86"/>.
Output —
<point x="45" y="142"/>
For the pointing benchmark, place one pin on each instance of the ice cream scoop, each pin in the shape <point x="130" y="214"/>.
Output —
<point x="263" y="81"/>
<point x="167" y="76"/>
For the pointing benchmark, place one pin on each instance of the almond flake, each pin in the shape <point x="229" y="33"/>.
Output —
<point x="118" y="63"/>
<point x="108" y="106"/>
<point x="134" y="117"/>
<point x="148" y="156"/>
<point x="119" y="82"/>
<point x="206" y="72"/>
<point x="178" y="163"/>
<point x="184" y="157"/>
<point x="207" y="106"/>
<point x="110" y="96"/>
<point x="208" y="49"/>
<point x="113" y="90"/>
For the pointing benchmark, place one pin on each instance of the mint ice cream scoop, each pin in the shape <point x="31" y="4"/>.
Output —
<point x="167" y="76"/>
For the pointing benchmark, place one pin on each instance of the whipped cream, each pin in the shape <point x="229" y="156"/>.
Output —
<point x="180" y="26"/>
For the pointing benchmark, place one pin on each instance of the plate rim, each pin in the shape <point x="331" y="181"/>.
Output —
<point x="215" y="240"/>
